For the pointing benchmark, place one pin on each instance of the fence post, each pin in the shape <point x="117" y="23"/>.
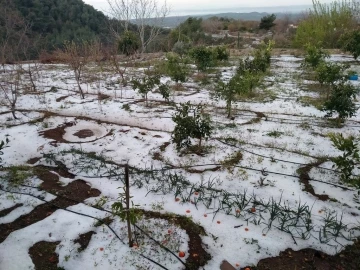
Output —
<point x="127" y="195"/>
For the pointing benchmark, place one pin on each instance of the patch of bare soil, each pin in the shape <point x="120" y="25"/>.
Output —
<point x="305" y="179"/>
<point x="84" y="133"/>
<point x="84" y="240"/>
<point x="44" y="256"/>
<point x="78" y="190"/>
<point x="57" y="133"/>
<point x="197" y="254"/>
<point x="348" y="259"/>
<point x="6" y="211"/>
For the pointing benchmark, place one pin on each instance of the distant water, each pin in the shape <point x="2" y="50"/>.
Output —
<point x="275" y="9"/>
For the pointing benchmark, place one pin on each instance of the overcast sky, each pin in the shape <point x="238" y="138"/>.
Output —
<point x="181" y="6"/>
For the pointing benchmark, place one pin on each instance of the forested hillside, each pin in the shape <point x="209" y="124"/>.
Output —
<point x="49" y="23"/>
<point x="59" y="20"/>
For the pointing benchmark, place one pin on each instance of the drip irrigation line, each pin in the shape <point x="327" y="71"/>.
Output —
<point x="281" y="160"/>
<point x="59" y="207"/>
<point x="107" y="211"/>
<point x="81" y="214"/>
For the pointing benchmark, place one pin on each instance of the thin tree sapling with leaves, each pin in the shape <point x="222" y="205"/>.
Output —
<point x="176" y="68"/>
<point x="350" y="157"/>
<point x="191" y="122"/>
<point x="145" y="85"/>
<point x="350" y="42"/>
<point x="341" y="101"/>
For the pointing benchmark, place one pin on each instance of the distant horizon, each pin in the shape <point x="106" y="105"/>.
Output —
<point x="267" y="9"/>
<point x="102" y="6"/>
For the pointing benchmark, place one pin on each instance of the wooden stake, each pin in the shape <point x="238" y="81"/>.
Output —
<point x="127" y="195"/>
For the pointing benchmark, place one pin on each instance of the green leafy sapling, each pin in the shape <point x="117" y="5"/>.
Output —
<point x="145" y="85"/>
<point x="191" y="122"/>
<point x="3" y="144"/>
<point x="341" y="101"/>
<point x="346" y="162"/>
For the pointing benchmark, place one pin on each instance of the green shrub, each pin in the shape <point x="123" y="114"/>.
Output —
<point x="341" y="100"/>
<point x="221" y="53"/>
<point x="350" y="42"/>
<point x="145" y="85"/>
<point x="191" y="122"/>
<point x="329" y="73"/>
<point x="176" y="68"/>
<point x="129" y="43"/>
<point x="314" y="56"/>
<point x="203" y="57"/>
<point x="325" y="23"/>
<point x="349" y="158"/>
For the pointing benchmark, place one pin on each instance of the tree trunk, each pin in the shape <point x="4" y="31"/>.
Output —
<point x="13" y="111"/>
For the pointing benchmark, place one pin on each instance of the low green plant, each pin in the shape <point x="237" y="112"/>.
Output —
<point x="346" y="162"/>
<point x="350" y="42"/>
<point x="176" y="68"/>
<point x="341" y="100"/>
<point x="314" y="56"/>
<point x="328" y="73"/>
<point x="3" y="144"/>
<point x="203" y="57"/>
<point x="145" y="85"/>
<point x="191" y="122"/>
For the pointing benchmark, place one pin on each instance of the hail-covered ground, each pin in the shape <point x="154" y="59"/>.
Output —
<point x="252" y="190"/>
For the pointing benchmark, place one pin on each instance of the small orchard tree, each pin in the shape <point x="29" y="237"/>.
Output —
<point x="145" y="85"/>
<point x="314" y="56"/>
<point x="176" y="68"/>
<point x="10" y="87"/>
<point x="221" y="53"/>
<point x="203" y="57"/>
<point x="350" y="157"/>
<point x="181" y="48"/>
<point x="3" y="144"/>
<point x="77" y="55"/>
<point x="229" y="90"/>
<point x="191" y="122"/>
<point x="129" y="43"/>
<point x="267" y="22"/>
<point x="329" y="73"/>
<point x="341" y="101"/>
<point x="350" y="42"/>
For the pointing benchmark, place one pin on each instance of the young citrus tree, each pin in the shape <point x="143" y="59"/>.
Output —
<point x="176" y="68"/>
<point x="203" y="57"/>
<point x="191" y="122"/>
<point x="145" y="85"/>
<point x="350" y="42"/>
<point x="314" y="56"/>
<point x="341" y="101"/>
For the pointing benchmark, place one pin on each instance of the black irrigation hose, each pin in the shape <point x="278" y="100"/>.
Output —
<point x="281" y="160"/>
<point x="50" y="203"/>
<point x="107" y="211"/>
<point x="81" y="214"/>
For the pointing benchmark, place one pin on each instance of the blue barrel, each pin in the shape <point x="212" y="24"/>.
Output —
<point x="354" y="77"/>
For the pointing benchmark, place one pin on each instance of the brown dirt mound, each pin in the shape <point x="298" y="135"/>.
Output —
<point x="44" y="256"/>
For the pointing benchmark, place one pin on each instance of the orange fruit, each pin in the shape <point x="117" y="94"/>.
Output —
<point x="218" y="222"/>
<point x="253" y="209"/>
<point x="101" y="249"/>
<point x="264" y="234"/>
<point x="196" y="193"/>
<point x="205" y="215"/>
<point x="237" y="211"/>
<point x="181" y="254"/>
<point x="169" y="231"/>
<point x="246" y="229"/>
<point x="237" y="265"/>
<point x="188" y="211"/>
<point x="177" y="199"/>
<point x="247" y="268"/>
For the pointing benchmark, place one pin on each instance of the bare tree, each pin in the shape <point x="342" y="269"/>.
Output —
<point x="147" y="15"/>
<point x="10" y="86"/>
<point x="77" y="55"/>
